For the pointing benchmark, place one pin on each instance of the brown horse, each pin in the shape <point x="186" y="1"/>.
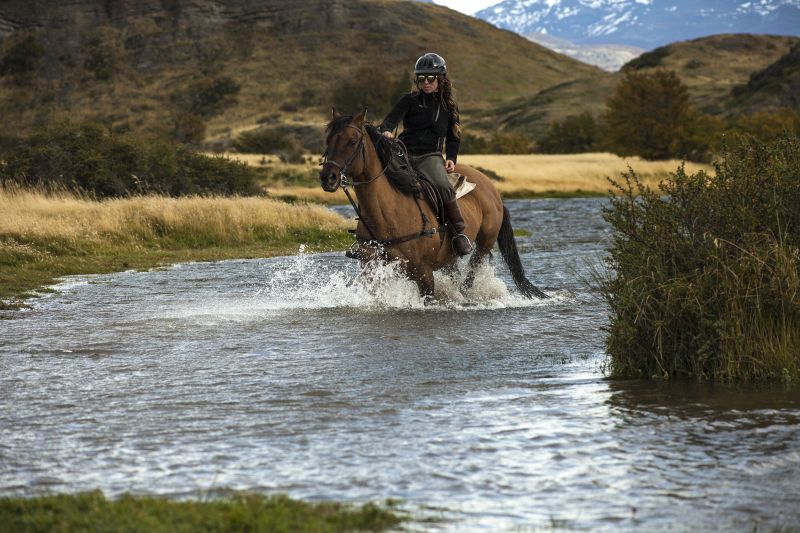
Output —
<point x="398" y="226"/>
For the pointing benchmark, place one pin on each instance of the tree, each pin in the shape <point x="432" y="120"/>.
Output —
<point x="649" y="115"/>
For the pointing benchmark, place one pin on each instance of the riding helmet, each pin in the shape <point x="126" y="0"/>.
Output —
<point x="430" y="63"/>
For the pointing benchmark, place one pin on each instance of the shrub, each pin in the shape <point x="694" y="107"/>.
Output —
<point x="207" y="97"/>
<point x="574" y="134"/>
<point x="498" y="143"/>
<point x="650" y="59"/>
<point x="22" y="58"/>
<point x="370" y="87"/>
<point x="705" y="273"/>
<point x="87" y="158"/>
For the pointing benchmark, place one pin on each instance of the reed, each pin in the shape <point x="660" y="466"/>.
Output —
<point x="232" y="512"/>
<point x="43" y="236"/>
<point x="704" y="273"/>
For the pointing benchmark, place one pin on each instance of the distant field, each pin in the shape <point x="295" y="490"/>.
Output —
<point x="537" y="174"/>
<point x="523" y="175"/>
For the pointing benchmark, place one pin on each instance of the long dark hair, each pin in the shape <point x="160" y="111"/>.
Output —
<point x="445" y="95"/>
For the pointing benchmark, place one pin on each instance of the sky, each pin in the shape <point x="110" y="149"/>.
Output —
<point x="467" y="6"/>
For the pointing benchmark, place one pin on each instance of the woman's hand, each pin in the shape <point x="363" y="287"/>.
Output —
<point x="449" y="166"/>
<point x="388" y="134"/>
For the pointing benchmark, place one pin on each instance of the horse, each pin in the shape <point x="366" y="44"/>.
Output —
<point x="395" y="226"/>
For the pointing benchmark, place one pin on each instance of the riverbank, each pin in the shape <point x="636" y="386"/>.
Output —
<point x="44" y="237"/>
<point x="516" y="176"/>
<point x="235" y="512"/>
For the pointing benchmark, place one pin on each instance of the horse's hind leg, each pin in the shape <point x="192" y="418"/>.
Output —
<point x="478" y="256"/>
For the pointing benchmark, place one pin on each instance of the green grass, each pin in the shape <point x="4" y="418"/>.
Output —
<point x="235" y="512"/>
<point x="25" y="272"/>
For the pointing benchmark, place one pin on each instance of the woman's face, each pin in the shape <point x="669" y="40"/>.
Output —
<point x="426" y="85"/>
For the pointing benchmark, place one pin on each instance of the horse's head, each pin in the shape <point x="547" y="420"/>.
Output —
<point x="344" y="151"/>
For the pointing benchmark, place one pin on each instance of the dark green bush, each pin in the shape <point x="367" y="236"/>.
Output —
<point x="704" y="274"/>
<point x="207" y="97"/>
<point x="650" y="59"/>
<point x="498" y="143"/>
<point x="22" y="58"/>
<point x="87" y="158"/>
<point x="574" y="134"/>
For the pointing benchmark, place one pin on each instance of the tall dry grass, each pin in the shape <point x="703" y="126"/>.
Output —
<point x="568" y="173"/>
<point x="30" y="216"/>
<point x="523" y="175"/>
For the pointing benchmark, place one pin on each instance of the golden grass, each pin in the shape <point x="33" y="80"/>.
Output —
<point x="36" y="216"/>
<point x="524" y="175"/>
<point x="570" y="173"/>
<point x="44" y="237"/>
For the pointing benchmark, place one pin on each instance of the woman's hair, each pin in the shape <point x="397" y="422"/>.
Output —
<point x="445" y="94"/>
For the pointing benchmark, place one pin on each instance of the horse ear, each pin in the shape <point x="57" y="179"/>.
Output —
<point x="361" y="118"/>
<point x="335" y="114"/>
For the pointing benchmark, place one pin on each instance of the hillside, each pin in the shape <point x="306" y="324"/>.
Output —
<point x="226" y="65"/>
<point x="711" y="67"/>
<point x="774" y="87"/>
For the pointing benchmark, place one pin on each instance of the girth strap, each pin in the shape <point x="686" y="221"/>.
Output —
<point x="424" y="232"/>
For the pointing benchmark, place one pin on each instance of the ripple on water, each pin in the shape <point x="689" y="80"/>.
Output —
<point x="302" y="375"/>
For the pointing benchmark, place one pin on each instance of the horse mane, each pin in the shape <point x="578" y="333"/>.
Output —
<point x="338" y="124"/>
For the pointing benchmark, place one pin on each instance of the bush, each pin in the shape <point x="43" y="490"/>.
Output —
<point x="498" y="143"/>
<point x="22" y="58"/>
<point x="370" y="87"/>
<point x="87" y="158"/>
<point x="208" y="97"/>
<point x="574" y="134"/>
<point x="650" y="59"/>
<point x="705" y="272"/>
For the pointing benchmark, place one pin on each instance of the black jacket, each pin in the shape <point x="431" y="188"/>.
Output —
<point x="427" y="123"/>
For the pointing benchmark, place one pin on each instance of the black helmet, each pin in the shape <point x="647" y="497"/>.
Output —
<point x="430" y="63"/>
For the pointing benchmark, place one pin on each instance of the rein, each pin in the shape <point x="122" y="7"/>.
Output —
<point x="345" y="182"/>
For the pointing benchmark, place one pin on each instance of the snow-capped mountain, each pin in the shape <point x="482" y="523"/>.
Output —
<point x="643" y="23"/>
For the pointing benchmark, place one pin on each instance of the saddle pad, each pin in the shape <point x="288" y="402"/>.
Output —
<point x="460" y="184"/>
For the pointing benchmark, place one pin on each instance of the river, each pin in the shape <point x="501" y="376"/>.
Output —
<point x="482" y="412"/>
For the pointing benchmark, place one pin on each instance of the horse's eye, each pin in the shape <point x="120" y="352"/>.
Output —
<point x="351" y="142"/>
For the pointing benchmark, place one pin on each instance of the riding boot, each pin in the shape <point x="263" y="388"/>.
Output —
<point x="460" y="242"/>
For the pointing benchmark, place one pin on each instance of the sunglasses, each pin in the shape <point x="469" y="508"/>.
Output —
<point x="429" y="78"/>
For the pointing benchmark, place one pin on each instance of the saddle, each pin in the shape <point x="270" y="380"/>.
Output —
<point x="405" y="178"/>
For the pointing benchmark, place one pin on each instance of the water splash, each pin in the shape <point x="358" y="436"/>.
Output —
<point x="317" y="282"/>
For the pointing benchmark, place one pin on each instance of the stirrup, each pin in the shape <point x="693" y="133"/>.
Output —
<point x="458" y="251"/>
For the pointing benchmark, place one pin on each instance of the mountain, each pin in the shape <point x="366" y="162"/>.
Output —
<point x="643" y="23"/>
<point x="726" y="75"/>
<point x="132" y="64"/>
<point x="712" y="67"/>
<point x="609" y="57"/>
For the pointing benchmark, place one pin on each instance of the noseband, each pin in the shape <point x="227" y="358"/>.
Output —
<point x="344" y="180"/>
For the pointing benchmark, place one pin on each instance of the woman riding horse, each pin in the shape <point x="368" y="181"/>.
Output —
<point x="430" y="122"/>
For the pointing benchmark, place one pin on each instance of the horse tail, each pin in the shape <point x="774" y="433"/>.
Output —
<point x="508" y="248"/>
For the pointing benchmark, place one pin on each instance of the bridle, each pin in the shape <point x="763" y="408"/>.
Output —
<point x="344" y="180"/>
<point x="345" y="183"/>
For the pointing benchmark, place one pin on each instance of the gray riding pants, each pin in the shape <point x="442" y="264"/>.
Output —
<point x="432" y="167"/>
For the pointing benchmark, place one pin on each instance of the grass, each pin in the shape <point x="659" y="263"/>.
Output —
<point x="43" y="237"/>
<point x="236" y="512"/>
<point x="516" y="176"/>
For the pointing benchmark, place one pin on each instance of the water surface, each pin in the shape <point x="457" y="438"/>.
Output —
<point x="295" y="375"/>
